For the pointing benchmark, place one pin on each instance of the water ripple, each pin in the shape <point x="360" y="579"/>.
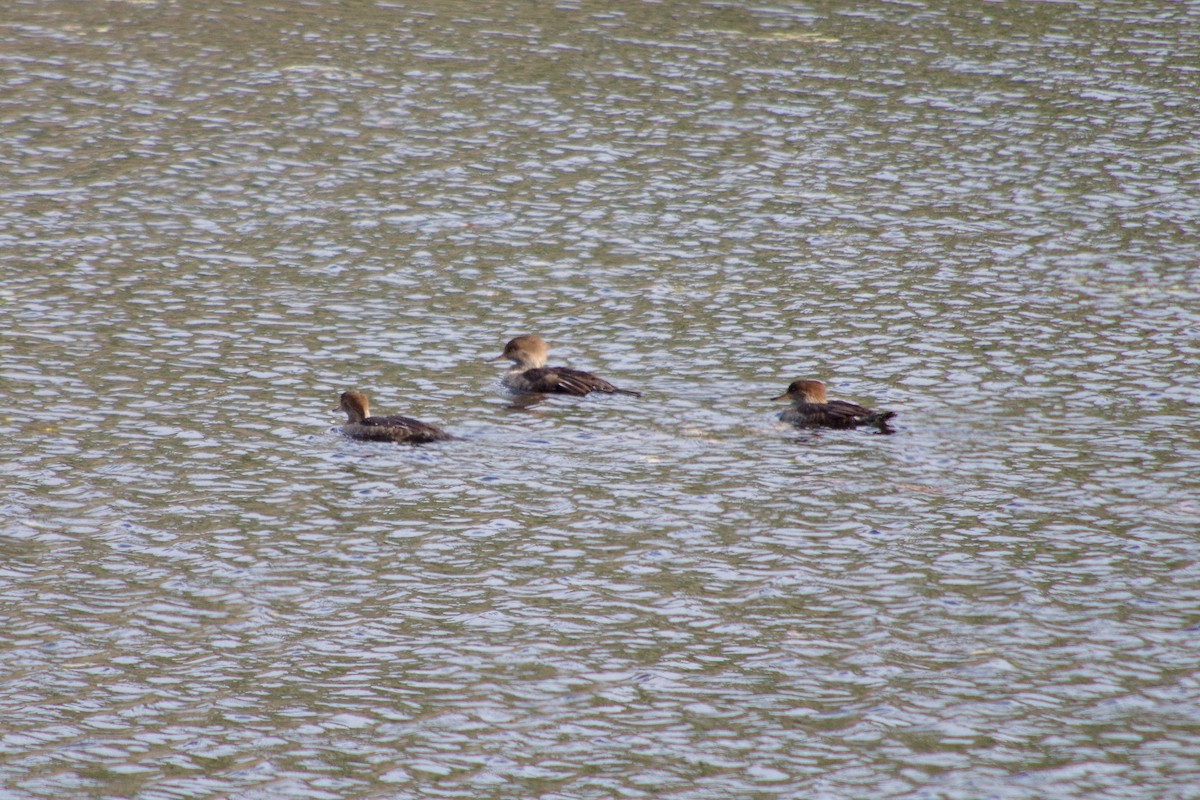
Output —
<point x="982" y="221"/>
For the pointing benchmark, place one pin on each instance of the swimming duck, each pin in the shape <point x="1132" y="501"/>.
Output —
<point x="529" y="373"/>
<point x="405" y="430"/>
<point x="810" y="409"/>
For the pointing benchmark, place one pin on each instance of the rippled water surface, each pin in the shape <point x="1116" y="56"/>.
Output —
<point x="214" y="217"/>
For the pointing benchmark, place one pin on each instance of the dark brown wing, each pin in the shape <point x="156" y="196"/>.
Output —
<point x="864" y="415"/>
<point x="846" y="407"/>
<point x="396" y="428"/>
<point x="823" y="415"/>
<point x="839" y="414"/>
<point x="562" y="380"/>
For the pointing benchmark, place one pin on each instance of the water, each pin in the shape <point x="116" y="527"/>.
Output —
<point x="214" y="219"/>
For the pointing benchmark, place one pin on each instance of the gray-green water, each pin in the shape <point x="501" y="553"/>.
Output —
<point x="216" y="216"/>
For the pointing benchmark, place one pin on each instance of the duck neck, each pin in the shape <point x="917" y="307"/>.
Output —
<point x="527" y="362"/>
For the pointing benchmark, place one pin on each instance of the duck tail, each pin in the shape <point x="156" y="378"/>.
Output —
<point x="626" y="391"/>
<point x="880" y="420"/>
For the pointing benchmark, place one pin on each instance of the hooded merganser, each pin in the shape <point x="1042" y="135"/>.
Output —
<point x="810" y="409"/>
<point x="395" y="428"/>
<point x="530" y="375"/>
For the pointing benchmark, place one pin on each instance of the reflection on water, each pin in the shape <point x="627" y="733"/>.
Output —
<point x="215" y="220"/>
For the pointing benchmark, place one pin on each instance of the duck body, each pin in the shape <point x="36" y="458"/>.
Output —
<point x="811" y="409"/>
<point x="530" y="375"/>
<point x="396" y="428"/>
<point x="559" y="380"/>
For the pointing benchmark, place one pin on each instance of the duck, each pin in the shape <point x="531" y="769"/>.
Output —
<point x="403" y="430"/>
<point x="530" y="375"/>
<point x="811" y="409"/>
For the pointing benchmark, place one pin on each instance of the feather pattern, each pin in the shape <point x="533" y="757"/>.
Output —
<point x="560" y="380"/>
<point x="810" y="409"/>
<point x="395" y="428"/>
<point x="530" y="375"/>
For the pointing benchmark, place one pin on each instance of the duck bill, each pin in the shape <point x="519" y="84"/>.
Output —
<point x="500" y="357"/>
<point x="783" y="396"/>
